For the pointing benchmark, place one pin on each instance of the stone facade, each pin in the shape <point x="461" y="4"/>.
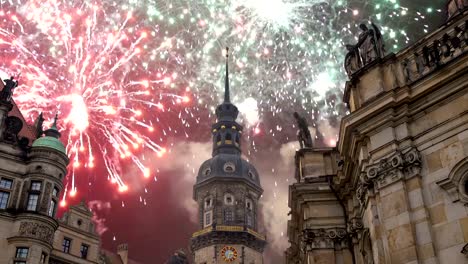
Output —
<point x="395" y="188"/>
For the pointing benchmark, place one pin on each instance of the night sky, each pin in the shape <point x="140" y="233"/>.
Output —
<point x="135" y="84"/>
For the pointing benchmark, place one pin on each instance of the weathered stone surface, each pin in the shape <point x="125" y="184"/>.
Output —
<point x="393" y="204"/>
<point x="437" y="214"/>
<point x="448" y="235"/>
<point x="400" y="237"/>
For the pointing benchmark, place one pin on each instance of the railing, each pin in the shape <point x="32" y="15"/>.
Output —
<point x="435" y="50"/>
<point x="228" y="229"/>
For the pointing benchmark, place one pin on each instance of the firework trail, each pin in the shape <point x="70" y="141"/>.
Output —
<point x="114" y="70"/>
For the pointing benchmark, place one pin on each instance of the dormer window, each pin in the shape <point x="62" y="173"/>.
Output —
<point x="229" y="167"/>
<point x="251" y="175"/>
<point x="207" y="172"/>
<point x="228" y="199"/>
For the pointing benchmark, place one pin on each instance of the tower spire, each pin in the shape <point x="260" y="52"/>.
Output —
<point x="226" y="79"/>
<point x="53" y="130"/>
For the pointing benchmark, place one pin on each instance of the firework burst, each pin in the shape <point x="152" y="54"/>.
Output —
<point x="114" y="69"/>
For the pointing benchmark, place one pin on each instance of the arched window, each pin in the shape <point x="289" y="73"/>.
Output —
<point x="218" y="139"/>
<point x="228" y="138"/>
<point x="456" y="183"/>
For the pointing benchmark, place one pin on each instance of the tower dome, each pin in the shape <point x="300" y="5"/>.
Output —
<point x="51" y="139"/>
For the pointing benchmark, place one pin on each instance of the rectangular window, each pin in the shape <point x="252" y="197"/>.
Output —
<point x="6" y="184"/>
<point x="84" y="251"/>
<point x="228" y="216"/>
<point x="66" y="245"/>
<point x="207" y="219"/>
<point x="32" y="202"/>
<point x="249" y="220"/>
<point x="52" y="208"/>
<point x="20" y="262"/>
<point x="35" y="186"/>
<point x="55" y="192"/>
<point x="22" y="252"/>
<point x="43" y="258"/>
<point x="4" y="196"/>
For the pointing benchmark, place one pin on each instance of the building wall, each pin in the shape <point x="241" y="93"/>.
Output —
<point x="402" y="167"/>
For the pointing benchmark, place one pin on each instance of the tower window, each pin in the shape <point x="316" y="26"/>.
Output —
<point x="208" y="203"/>
<point x="5" y="187"/>
<point x="207" y="172"/>
<point x="52" y="208"/>
<point x="228" y="216"/>
<point x="6" y="183"/>
<point x="228" y="139"/>
<point x="43" y="258"/>
<point x="33" y="198"/>
<point x="207" y="219"/>
<point x="4" y="196"/>
<point x="32" y="202"/>
<point x="84" y="251"/>
<point x="248" y="204"/>
<point x="251" y="175"/>
<point x="55" y="192"/>
<point x="229" y="199"/>
<point x="35" y="186"/>
<point x="229" y="167"/>
<point x="248" y="220"/>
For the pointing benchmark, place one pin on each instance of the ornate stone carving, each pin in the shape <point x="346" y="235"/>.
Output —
<point x="323" y="238"/>
<point x="355" y="225"/>
<point x="45" y="200"/>
<point x="37" y="231"/>
<point x="389" y="170"/>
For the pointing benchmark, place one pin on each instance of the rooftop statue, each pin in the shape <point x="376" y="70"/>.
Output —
<point x="7" y="92"/>
<point x="303" y="134"/>
<point x="370" y="46"/>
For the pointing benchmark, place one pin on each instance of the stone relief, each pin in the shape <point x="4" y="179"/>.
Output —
<point x="387" y="171"/>
<point x="323" y="238"/>
<point x="36" y="230"/>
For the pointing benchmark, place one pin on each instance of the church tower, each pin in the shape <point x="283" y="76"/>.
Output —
<point x="227" y="191"/>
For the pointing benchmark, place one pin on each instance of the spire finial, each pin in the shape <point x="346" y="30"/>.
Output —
<point x="53" y="130"/>
<point x="55" y="121"/>
<point x="226" y="79"/>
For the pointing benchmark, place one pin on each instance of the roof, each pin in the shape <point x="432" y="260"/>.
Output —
<point x="50" y="142"/>
<point x="228" y="166"/>
<point x="114" y="258"/>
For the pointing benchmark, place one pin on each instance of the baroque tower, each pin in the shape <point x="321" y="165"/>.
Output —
<point x="227" y="191"/>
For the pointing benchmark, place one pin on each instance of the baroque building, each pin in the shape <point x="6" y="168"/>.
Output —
<point x="227" y="191"/>
<point x="395" y="188"/>
<point x="33" y="163"/>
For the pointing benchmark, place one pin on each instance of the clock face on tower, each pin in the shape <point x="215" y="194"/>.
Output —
<point x="229" y="253"/>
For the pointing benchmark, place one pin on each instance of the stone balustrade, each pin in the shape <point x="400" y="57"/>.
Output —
<point x="410" y="66"/>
